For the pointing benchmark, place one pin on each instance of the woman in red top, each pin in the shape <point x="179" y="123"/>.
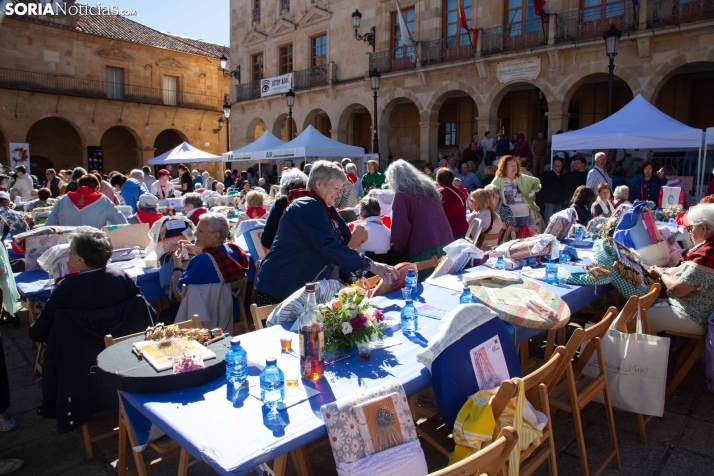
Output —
<point x="520" y="148"/>
<point x="254" y="205"/>
<point x="146" y="212"/>
<point x="453" y="202"/>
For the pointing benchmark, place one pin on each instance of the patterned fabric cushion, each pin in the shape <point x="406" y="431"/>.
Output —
<point x="39" y="240"/>
<point x="291" y="308"/>
<point x="583" y="279"/>
<point x="605" y="255"/>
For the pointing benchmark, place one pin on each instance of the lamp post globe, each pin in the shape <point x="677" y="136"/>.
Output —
<point x="356" y="20"/>
<point x="226" y="109"/>
<point x="224" y="61"/>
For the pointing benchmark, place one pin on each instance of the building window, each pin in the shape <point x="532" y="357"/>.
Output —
<point x="449" y="137"/>
<point x="286" y="59"/>
<point x="115" y="83"/>
<point x="517" y="12"/>
<point x="258" y="67"/>
<point x="592" y="9"/>
<point x="451" y="17"/>
<point x="318" y="51"/>
<point x="256" y="11"/>
<point x="397" y="39"/>
<point x="170" y="90"/>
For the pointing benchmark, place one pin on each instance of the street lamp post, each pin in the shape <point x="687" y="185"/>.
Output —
<point x="233" y="74"/>
<point x="227" y="114"/>
<point x="374" y="78"/>
<point x="369" y="38"/>
<point x="290" y="96"/>
<point x="612" y="40"/>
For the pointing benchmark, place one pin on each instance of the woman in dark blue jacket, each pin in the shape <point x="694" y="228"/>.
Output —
<point x="647" y="186"/>
<point x="311" y="242"/>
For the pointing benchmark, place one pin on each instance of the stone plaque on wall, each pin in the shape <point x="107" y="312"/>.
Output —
<point x="527" y="69"/>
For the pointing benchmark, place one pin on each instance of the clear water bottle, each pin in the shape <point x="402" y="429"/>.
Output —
<point x="580" y="234"/>
<point x="410" y="282"/>
<point x="410" y="320"/>
<point x="500" y="264"/>
<point x="312" y="338"/>
<point x="530" y="261"/>
<point x="272" y="384"/>
<point x="672" y="222"/>
<point x="236" y="363"/>
<point x="551" y="273"/>
<point x="466" y="296"/>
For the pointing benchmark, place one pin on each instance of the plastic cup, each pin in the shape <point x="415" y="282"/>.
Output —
<point x="286" y="344"/>
<point x="365" y="351"/>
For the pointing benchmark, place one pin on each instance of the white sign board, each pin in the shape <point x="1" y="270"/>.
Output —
<point x="276" y="85"/>
<point x="236" y="156"/>
<point x="280" y="154"/>
<point x="527" y="69"/>
<point x="19" y="155"/>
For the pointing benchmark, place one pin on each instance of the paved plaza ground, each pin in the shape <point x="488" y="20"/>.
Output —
<point x="679" y="444"/>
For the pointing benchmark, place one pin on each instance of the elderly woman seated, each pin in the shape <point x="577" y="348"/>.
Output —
<point x="193" y="208"/>
<point x="620" y="196"/>
<point x="254" y="206"/>
<point x="146" y="212"/>
<point x="43" y="200"/>
<point x="292" y="179"/>
<point x="217" y="267"/>
<point x="311" y="242"/>
<point x="84" y="307"/>
<point x="85" y="207"/>
<point x="690" y="285"/>
<point x="491" y="223"/>
<point x="370" y="236"/>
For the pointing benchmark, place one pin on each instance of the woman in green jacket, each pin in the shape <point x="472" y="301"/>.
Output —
<point x="517" y="189"/>
<point x="373" y="178"/>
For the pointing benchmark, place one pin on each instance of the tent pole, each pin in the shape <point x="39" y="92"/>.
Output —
<point x="702" y="164"/>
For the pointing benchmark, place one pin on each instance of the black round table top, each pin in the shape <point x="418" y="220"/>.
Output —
<point x="120" y="368"/>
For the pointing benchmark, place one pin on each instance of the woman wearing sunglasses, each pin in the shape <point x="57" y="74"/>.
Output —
<point x="690" y="285"/>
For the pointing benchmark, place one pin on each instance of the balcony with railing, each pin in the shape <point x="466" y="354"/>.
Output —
<point x="397" y="59"/>
<point x="446" y="50"/>
<point x="315" y="77"/>
<point x="284" y="5"/>
<point x="661" y="13"/>
<point x="248" y="91"/>
<point x="90" y="88"/>
<point x="590" y="23"/>
<point x="515" y="36"/>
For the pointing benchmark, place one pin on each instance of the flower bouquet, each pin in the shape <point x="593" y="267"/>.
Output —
<point x="606" y="228"/>
<point x="349" y="319"/>
<point x="665" y="214"/>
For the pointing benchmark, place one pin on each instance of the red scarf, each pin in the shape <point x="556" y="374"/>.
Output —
<point x="143" y="216"/>
<point x="702" y="254"/>
<point x="230" y="268"/>
<point x="255" y="212"/>
<point x="84" y="196"/>
<point x="301" y="192"/>
<point x="352" y="178"/>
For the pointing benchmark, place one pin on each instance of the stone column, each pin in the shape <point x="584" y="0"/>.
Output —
<point x="144" y="155"/>
<point x="487" y="123"/>
<point x="429" y="141"/>
<point x="335" y="134"/>
<point x="642" y="19"/>
<point x="550" y="31"/>
<point x="85" y="159"/>
<point x="557" y="121"/>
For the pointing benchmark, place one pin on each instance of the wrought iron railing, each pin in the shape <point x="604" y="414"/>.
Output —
<point x="284" y="5"/>
<point x="515" y="36"/>
<point x="677" y="12"/>
<point x="591" y="22"/>
<point x="248" y="91"/>
<point x="398" y="59"/>
<point x="71" y="86"/>
<point x="256" y="15"/>
<point x="314" y="77"/>
<point x="445" y="50"/>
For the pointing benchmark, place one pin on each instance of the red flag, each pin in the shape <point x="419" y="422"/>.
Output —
<point x="539" y="7"/>
<point x="472" y="32"/>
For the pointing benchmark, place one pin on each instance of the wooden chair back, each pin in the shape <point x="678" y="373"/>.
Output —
<point x="490" y="460"/>
<point x="432" y="262"/>
<point x="506" y="237"/>
<point x="489" y="236"/>
<point x="596" y="331"/>
<point x="194" y="323"/>
<point x="260" y="313"/>
<point x="646" y="302"/>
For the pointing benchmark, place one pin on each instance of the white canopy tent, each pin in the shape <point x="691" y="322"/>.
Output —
<point x="311" y="143"/>
<point x="708" y="140"/>
<point x="254" y="150"/>
<point x="638" y="125"/>
<point x="184" y="154"/>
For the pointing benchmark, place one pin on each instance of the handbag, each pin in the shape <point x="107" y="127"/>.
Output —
<point x="636" y="369"/>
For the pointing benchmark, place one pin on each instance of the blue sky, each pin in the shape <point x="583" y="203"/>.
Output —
<point x="207" y="20"/>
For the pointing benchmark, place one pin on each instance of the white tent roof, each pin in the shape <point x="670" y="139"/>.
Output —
<point x="638" y="125"/>
<point x="312" y="144"/>
<point x="254" y="149"/>
<point x="710" y="135"/>
<point x="184" y="154"/>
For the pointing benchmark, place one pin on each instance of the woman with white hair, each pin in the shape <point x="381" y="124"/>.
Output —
<point x="351" y="173"/>
<point x="193" y="208"/>
<point x="620" y="196"/>
<point x="690" y="285"/>
<point x="311" y="242"/>
<point x="292" y="179"/>
<point x="419" y="228"/>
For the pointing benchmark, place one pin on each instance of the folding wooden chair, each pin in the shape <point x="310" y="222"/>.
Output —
<point x="161" y="445"/>
<point x="490" y="460"/>
<point x="506" y="237"/>
<point x="260" y="313"/>
<point x="432" y="262"/>
<point x="576" y="390"/>
<point x="242" y="325"/>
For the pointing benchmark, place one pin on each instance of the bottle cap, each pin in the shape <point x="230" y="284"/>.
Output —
<point x="235" y="340"/>
<point x="310" y="287"/>
<point x="271" y="361"/>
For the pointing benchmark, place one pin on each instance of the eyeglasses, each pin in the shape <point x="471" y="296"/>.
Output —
<point x="691" y="227"/>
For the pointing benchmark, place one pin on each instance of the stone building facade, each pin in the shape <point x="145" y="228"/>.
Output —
<point x="523" y="75"/>
<point x="68" y="84"/>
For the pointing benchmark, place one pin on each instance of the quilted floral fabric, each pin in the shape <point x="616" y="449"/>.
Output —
<point x="39" y="240"/>
<point x="605" y="254"/>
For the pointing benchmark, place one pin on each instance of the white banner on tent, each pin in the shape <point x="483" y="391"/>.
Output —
<point x="237" y="156"/>
<point x="281" y="154"/>
<point x="276" y="85"/>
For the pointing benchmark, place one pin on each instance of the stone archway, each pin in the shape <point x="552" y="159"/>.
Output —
<point x="121" y="147"/>
<point x="586" y="99"/>
<point x="456" y="115"/>
<point x="320" y="120"/>
<point x="354" y="126"/>
<point x="684" y="94"/>
<point x="400" y="118"/>
<point x="256" y="128"/>
<point x="521" y="107"/>
<point x="281" y="128"/>
<point x="167" y="140"/>
<point x="57" y="140"/>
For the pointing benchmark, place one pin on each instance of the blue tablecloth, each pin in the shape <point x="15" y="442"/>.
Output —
<point x="230" y="431"/>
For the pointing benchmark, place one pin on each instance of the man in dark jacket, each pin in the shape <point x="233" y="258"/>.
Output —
<point x="578" y="176"/>
<point x="553" y="189"/>
<point x="52" y="182"/>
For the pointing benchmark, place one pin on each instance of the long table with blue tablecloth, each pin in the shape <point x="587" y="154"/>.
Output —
<point x="231" y="433"/>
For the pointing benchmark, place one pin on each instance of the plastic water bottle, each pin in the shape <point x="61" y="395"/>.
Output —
<point x="551" y="273"/>
<point x="530" y="261"/>
<point x="236" y="363"/>
<point x="410" y="320"/>
<point x="272" y="384"/>
<point x="579" y="234"/>
<point x="500" y="264"/>
<point x="672" y="222"/>
<point x="410" y="282"/>
<point x="466" y="296"/>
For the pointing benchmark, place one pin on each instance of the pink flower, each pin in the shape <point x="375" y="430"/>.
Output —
<point x="334" y="304"/>
<point x="359" y="321"/>
<point x="378" y="315"/>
